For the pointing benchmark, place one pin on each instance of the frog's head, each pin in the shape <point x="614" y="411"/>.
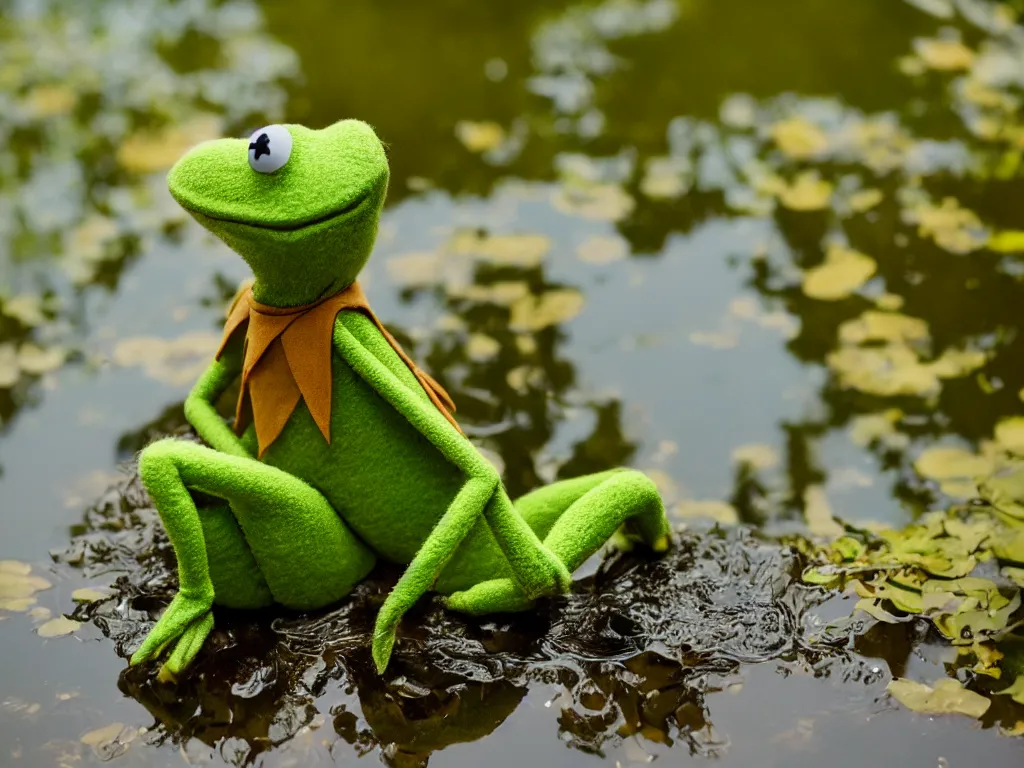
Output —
<point x="300" y="206"/>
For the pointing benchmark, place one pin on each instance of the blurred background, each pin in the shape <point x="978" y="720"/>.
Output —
<point x="768" y="252"/>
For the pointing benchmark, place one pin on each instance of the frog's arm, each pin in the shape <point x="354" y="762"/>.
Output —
<point x="199" y="405"/>
<point x="537" y="570"/>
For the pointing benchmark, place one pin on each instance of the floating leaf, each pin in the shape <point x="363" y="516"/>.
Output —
<point x="521" y="250"/>
<point x="26" y="308"/>
<point x="956" y="229"/>
<point x="15" y="567"/>
<point x="945" y="55"/>
<point x="756" y="455"/>
<point x="88" y="595"/>
<point x="415" y="270"/>
<point x="883" y="326"/>
<point x="20" y="585"/>
<point x="481" y="347"/>
<point x="16" y="604"/>
<point x="944" y="463"/>
<point x="799" y="138"/>
<point x="818" y="513"/>
<point x="175" y="362"/>
<point x="808" y="192"/>
<point x="58" y="627"/>
<point x="719" y="511"/>
<point x="947" y="697"/>
<point x="151" y="151"/>
<point x="602" y="249"/>
<point x="51" y="101"/>
<point x="10" y="371"/>
<point x="598" y="202"/>
<point x="479" y="137"/>
<point x="1009" y="434"/>
<point x="531" y="313"/>
<point x="865" y="200"/>
<point x="842" y="274"/>
<point x="37" y="361"/>
<point x="665" y="178"/>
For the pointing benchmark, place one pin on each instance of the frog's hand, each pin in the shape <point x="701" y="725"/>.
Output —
<point x="200" y="409"/>
<point x="536" y="569"/>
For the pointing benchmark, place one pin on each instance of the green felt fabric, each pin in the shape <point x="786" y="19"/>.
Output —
<point x="397" y="480"/>
<point x="341" y="169"/>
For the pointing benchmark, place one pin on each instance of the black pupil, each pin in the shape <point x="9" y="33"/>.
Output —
<point x="261" y="145"/>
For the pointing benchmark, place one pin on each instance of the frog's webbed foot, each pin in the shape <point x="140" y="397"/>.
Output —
<point x="493" y="596"/>
<point x="383" y="642"/>
<point x="186" y="623"/>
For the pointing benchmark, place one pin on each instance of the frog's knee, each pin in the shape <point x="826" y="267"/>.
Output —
<point x="158" y="462"/>
<point x="639" y="487"/>
<point x="643" y="497"/>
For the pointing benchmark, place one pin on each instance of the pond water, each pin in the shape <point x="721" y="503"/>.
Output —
<point x="767" y="252"/>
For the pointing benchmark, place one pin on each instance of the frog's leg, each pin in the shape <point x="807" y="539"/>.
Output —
<point x="574" y="518"/>
<point x="301" y="547"/>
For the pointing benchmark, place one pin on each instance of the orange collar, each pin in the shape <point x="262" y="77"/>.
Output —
<point x="288" y="356"/>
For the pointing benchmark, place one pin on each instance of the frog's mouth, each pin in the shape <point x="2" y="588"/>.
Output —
<point x="286" y="226"/>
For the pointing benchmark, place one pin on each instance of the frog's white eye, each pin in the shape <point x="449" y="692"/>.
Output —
<point x="269" y="148"/>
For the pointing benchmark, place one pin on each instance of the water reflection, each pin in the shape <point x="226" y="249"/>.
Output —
<point x="636" y="649"/>
<point x="875" y="149"/>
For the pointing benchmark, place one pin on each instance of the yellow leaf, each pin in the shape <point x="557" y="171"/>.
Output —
<point x="799" y="138"/>
<point x="37" y="361"/>
<point x="882" y="326"/>
<point x="51" y="100"/>
<point x="808" y="192"/>
<point x="479" y="137"/>
<point x="531" y="313"/>
<point x="957" y="229"/>
<point x="19" y="585"/>
<point x="99" y="736"/>
<point x="176" y="362"/>
<point x="1010" y="241"/>
<point x="58" y="627"/>
<point x="718" y="511"/>
<point x="865" y="200"/>
<point x="945" y="463"/>
<point x="88" y="595"/>
<point x="842" y="274"/>
<point x="521" y="250"/>
<point x="947" y="697"/>
<point x="602" y="249"/>
<point x="944" y="55"/>
<point x="481" y="347"/>
<point x="757" y="455"/>
<point x="1010" y="434"/>
<point x="415" y="270"/>
<point x="818" y="513"/>
<point x="597" y="202"/>
<point x="151" y="151"/>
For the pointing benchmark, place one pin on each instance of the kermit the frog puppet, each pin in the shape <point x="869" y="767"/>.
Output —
<point x="342" y="450"/>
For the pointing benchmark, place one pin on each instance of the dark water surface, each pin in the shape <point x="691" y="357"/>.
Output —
<point x="769" y="252"/>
